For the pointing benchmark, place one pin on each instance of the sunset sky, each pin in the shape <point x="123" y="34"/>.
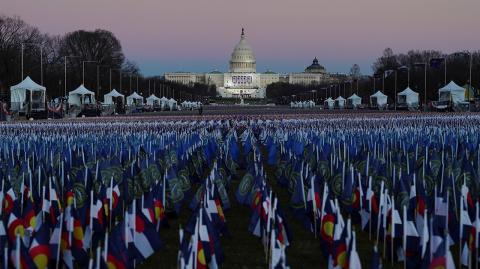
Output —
<point x="199" y="35"/>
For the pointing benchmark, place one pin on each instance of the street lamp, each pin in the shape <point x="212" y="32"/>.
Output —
<point x="131" y="83"/>
<point x="120" y="78"/>
<point x="65" y="81"/>
<point x="433" y="62"/>
<point x="41" y="58"/>
<point x="83" y="70"/>
<point x="402" y="68"/>
<point x="98" y="77"/>
<point x="395" y="95"/>
<point x="137" y="83"/>
<point x="469" y="65"/>
<point x="425" y="80"/>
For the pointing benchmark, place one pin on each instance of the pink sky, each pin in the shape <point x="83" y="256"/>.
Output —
<point x="199" y="35"/>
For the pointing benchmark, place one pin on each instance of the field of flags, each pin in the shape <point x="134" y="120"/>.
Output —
<point x="104" y="193"/>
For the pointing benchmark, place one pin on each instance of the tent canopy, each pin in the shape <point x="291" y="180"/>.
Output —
<point x="108" y="98"/>
<point x="378" y="98"/>
<point x="172" y="104"/>
<point x="135" y="95"/>
<point x="153" y="97"/>
<point x="452" y="92"/>
<point x="152" y="100"/>
<point x="330" y="102"/>
<point x="450" y="87"/>
<point x="408" y="97"/>
<point x="28" y="84"/>
<point x="340" y="98"/>
<point x="81" y="90"/>
<point x="408" y="92"/>
<point x="378" y="94"/>
<point x="355" y="97"/>
<point x="354" y="100"/>
<point x="114" y="93"/>
<point x="81" y="95"/>
<point x="18" y="93"/>
<point x="134" y="98"/>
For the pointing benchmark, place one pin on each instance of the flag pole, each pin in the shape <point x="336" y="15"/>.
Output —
<point x="59" y="243"/>
<point x="5" y="257"/>
<point x="392" y="230"/>
<point x="476" y="234"/>
<point x="404" y="237"/>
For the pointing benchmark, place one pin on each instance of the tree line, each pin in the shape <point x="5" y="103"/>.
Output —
<point x="410" y="69"/>
<point x="99" y="53"/>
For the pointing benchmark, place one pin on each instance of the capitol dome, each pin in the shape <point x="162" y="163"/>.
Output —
<point x="243" y="60"/>
<point x="315" y="67"/>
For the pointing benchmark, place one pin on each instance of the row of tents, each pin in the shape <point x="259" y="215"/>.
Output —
<point x="82" y="95"/>
<point x="29" y="95"/>
<point x="137" y="100"/>
<point x="451" y="95"/>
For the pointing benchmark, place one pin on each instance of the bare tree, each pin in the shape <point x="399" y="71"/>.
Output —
<point x="100" y="46"/>
<point x="14" y="32"/>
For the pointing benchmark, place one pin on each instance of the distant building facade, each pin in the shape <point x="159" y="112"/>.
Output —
<point x="242" y="79"/>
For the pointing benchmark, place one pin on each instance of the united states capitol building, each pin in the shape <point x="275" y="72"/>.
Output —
<point x="243" y="81"/>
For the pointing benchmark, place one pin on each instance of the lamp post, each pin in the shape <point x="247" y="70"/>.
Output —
<point x="383" y="82"/>
<point x="402" y="68"/>
<point x="83" y="70"/>
<point x="41" y="59"/>
<point x="445" y="77"/>
<point x="119" y="78"/>
<point x="395" y="97"/>
<point x="469" y="66"/>
<point x="425" y="81"/>
<point x="130" y="88"/>
<point x="65" y="71"/>
<point x="137" y="82"/>
<point x="390" y="71"/>
<point x="434" y="61"/>
<point x="149" y="92"/>
<point x="98" y="77"/>
<point x="351" y="87"/>
<point x="357" y="84"/>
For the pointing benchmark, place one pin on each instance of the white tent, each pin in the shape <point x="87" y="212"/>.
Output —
<point x="408" y="97"/>
<point x="26" y="91"/>
<point x="152" y="100"/>
<point x="340" y="102"/>
<point x="108" y="98"/>
<point x="172" y="104"/>
<point x="329" y="103"/>
<point x="354" y="101"/>
<point x="188" y="104"/>
<point x="163" y="102"/>
<point x="81" y="95"/>
<point x="378" y="99"/>
<point x="134" y="99"/>
<point x="451" y="92"/>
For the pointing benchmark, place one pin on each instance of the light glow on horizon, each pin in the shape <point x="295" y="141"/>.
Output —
<point x="164" y="36"/>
